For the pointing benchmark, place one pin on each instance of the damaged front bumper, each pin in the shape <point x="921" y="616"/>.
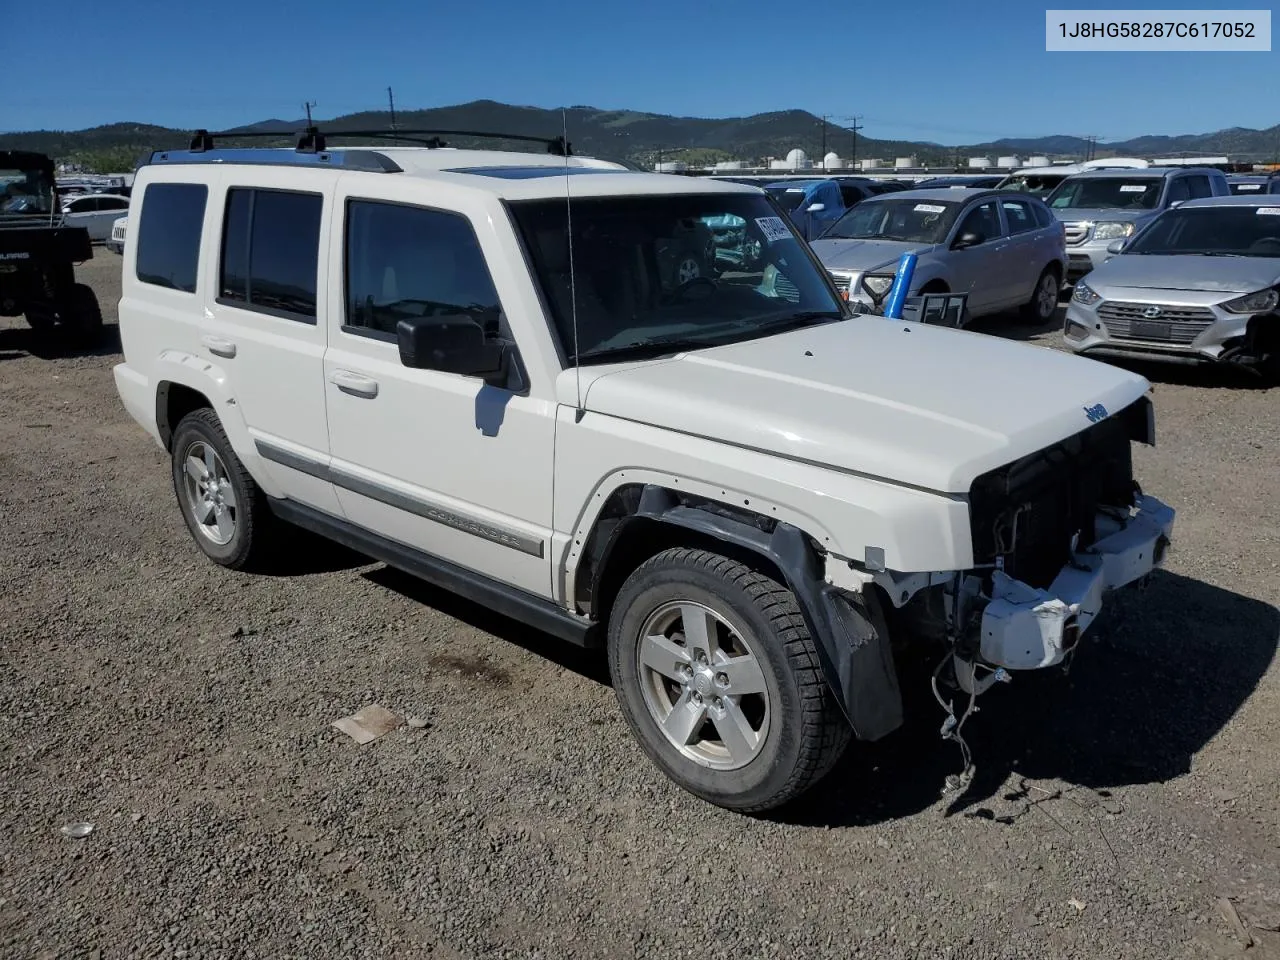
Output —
<point x="1025" y="628"/>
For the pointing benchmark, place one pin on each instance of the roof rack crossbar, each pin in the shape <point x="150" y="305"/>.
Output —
<point x="312" y="140"/>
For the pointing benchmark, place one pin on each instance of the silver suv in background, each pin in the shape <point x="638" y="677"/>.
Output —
<point x="1201" y="283"/>
<point x="1003" y="250"/>
<point x="1100" y="206"/>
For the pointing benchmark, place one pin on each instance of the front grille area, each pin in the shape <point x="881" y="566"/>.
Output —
<point x="1077" y="231"/>
<point x="842" y="284"/>
<point x="1029" y="511"/>
<point x="1180" y="325"/>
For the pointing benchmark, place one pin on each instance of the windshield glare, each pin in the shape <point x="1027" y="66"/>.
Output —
<point x="1037" y="186"/>
<point x="1240" y="231"/>
<point x="713" y="268"/>
<point x="896" y="218"/>
<point x="25" y="191"/>
<point x="789" y="198"/>
<point x="1109" y="193"/>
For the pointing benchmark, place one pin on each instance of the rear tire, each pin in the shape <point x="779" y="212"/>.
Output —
<point x="81" y="315"/>
<point x="225" y="511"/>
<point x="1044" y="298"/>
<point x="719" y="680"/>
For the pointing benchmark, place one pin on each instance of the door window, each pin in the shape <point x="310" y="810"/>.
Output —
<point x="271" y="252"/>
<point x="982" y="220"/>
<point x="404" y="262"/>
<point x="1179" y="191"/>
<point x="1019" y="216"/>
<point x="1198" y="186"/>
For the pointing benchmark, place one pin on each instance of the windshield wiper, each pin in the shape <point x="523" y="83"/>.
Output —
<point x="793" y="321"/>
<point x="638" y="349"/>
<point x="1220" y="253"/>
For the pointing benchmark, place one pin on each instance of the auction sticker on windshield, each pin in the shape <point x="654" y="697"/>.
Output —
<point x="1269" y="211"/>
<point x="1132" y="188"/>
<point x="773" y="228"/>
<point x="929" y="208"/>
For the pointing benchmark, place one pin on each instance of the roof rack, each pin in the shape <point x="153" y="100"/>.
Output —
<point x="312" y="140"/>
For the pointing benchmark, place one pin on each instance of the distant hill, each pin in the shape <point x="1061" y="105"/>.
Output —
<point x="644" y="137"/>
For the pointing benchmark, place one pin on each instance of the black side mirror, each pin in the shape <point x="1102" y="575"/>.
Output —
<point x="968" y="239"/>
<point x="451" y="344"/>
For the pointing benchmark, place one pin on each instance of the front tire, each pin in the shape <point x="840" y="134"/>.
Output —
<point x="719" y="680"/>
<point x="224" y="509"/>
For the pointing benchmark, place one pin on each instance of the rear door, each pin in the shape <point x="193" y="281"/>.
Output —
<point x="265" y="325"/>
<point x="1029" y="250"/>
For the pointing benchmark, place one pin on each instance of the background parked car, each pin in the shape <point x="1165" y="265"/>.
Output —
<point x="1003" y="251"/>
<point x="812" y="205"/>
<point x="1099" y="206"/>
<point x="1253" y="185"/>
<point x="1201" y="283"/>
<point x="95" y="212"/>
<point x="972" y="181"/>
<point x="115" y="242"/>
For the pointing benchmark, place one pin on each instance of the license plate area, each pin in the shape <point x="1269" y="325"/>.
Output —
<point x="1151" y="330"/>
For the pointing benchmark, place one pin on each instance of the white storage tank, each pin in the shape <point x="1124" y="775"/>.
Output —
<point x="904" y="163"/>
<point x="730" y="165"/>
<point x="797" y="159"/>
<point x="871" y="163"/>
<point x="1037" y="161"/>
<point x="979" y="163"/>
<point x="832" y="161"/>
<point x="1008" y="163"/>
<point x="671" y="166"/>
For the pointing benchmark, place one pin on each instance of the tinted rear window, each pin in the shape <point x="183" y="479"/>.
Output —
<point x="270" y="251"/>
<point x="169" y="234"/>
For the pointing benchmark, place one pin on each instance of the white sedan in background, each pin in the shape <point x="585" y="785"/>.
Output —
<point x="97" y="212"/>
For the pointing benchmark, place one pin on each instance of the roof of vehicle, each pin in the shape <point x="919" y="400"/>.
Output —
<point x="943" y="194"/>
<point x="508" y="174"/>
<point x="1252" y="177"/>
<point x="87" y="196"/>
<point x="1234" y="200"/>
<point x="1110" y="173"/>
<point x="798" y="182"/>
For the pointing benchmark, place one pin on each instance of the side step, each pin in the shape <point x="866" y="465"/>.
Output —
<point x="539" y="613"/>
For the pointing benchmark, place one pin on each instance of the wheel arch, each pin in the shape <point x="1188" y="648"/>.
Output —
<point x="640" y="520"/>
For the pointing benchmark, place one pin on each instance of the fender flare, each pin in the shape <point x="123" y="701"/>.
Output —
<point x="848" y="630"/>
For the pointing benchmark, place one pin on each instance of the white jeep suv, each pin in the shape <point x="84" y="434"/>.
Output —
<point x="527" y="378"/>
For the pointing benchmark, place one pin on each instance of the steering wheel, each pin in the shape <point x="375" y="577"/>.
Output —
<point x="681" y="291"/>
<point x="1265" y="243"/>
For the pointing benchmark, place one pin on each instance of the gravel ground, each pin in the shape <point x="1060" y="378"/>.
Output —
<point x="185" y="710"/>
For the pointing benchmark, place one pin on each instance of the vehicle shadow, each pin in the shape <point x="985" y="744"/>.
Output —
<point x="303" y="553"/>
<point x="590" y="664"/>
<point x="1222" y="376"/>
<point x="1166" y="670"/>
<point x="16" y="342"/>
<point x="1012" y="326"/>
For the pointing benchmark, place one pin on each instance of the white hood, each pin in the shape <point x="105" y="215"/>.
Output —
<point x="926" y="406"/>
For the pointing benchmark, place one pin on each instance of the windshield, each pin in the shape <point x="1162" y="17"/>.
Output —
<point x="654" y="272"/>
<point x="25" y="191"/>
<point x="1107" y="193"/>
<point x="1224" y="231"/>
<point x="1038" y="185"/>
<point x="789" y="198"/>
<point x="1247" y="186"/>
<point x="896" y="218"/>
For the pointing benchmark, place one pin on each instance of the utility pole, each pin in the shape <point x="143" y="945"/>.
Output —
<point x="824" y="140"/>
<point x="853" y="158"/>
<point x="391" y="102"/>
<point x="307" y="105"/>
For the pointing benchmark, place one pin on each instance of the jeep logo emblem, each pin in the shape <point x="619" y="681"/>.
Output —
<point x="1095" y="413"/>
<point x="1152" y="312"/>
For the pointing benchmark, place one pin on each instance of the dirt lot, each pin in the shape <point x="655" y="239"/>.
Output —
<point x="185" y="711"/>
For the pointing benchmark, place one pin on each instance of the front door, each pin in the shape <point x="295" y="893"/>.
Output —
<point x="979" y="270"/>
<point x="447" y="464"/>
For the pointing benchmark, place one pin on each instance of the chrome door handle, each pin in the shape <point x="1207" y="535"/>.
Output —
<point x="354" y="384"/>
<point x="219" y="347"/>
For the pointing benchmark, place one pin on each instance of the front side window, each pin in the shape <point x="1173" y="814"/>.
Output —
<point x="655" y="273"/>
<point x="26" y="191"/>
<point x="1107" y="193"/>
<point x="1018" y="214"/>
<point x="1227" y="231"/>
<point x="1198" y="186"/>
<point x="271" y="251"/>
<point x="169" y="229"/>
<point x="405" y="262"/>
<point x="982" y="220"/>
<point x="789" y="198"/>
<point x="898" y="218"/>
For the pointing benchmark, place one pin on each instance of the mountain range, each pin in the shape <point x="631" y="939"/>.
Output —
<point x="642" y="137"/>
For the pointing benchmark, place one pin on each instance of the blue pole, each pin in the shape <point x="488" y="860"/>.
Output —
<point x="901" y="284"/>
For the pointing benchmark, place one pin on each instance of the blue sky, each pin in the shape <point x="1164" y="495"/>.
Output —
<point x="935" y="70"/>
